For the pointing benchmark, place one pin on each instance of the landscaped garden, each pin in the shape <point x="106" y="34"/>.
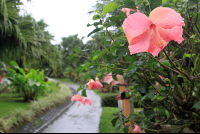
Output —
<point x="150" y="47"/>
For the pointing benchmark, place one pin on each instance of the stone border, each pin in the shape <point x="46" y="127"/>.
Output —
<point x="41" y="122"/>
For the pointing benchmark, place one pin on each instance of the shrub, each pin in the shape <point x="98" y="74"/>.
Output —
<point x="30" y="85"/>
<point x="109" y="101"/>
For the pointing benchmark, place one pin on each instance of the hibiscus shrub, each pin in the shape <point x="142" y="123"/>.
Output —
<point x="155" y="47"/>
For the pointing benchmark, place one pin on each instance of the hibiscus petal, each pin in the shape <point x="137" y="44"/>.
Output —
<point x="153" y="48"/>
<point x="108" y="78"/>
<point x="161" y="77"/>
<point x="82" y="100"/>
<point x="135" y="25"/>
<point x="76" y="98"/>
<point x="114" y="82"/>
<point x="166" y="18"/>
<point x="98" y="84"/>
<point x="120" y="79"/>
<point x="91" y="84"/>
<point x="88" y="101"/>
<point x="136" y="129"/>
<point x="140" y="43"/>
<point x="174" y="33"/>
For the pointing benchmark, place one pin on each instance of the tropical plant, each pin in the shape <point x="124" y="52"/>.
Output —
<point x="167" y="81"/>
<point x="30" y="85"/>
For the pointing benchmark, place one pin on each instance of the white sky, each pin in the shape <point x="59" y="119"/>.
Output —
<point x="64" y="17"/>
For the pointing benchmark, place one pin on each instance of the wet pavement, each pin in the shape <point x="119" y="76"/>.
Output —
<point x="83" y="119"/>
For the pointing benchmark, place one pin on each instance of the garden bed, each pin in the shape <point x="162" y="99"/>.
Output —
<point x="35" y="109"/>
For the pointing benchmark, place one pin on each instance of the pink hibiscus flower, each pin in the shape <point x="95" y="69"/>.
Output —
<point x="94" y="84"/>
<point x="108" y="79"/>
<point x="154" y="33"/>
<point x="137" y="129"/>
<point x="91" y="84"/>
<point x="98" y="84"/>
<point x="81" y="99"/>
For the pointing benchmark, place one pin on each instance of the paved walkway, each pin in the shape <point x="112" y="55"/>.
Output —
<point x="84" y="119"/>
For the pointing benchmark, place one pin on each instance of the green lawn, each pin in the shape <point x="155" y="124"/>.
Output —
<point x="10" y="102"/>
<point x="101" y="94"/>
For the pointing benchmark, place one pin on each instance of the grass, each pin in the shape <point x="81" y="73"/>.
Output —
<point x="105" y="121"/>
<point x="10" y="102"/>
<point x="101" y="94"/>
<point x="20" y="112"/>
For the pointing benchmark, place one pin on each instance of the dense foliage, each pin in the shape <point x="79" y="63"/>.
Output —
<point x="178" y="92"/>
<point x="30" y="85"/>
<point x="25" y="40"/>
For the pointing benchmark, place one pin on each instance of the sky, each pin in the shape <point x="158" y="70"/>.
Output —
<point x="64" y="17"/>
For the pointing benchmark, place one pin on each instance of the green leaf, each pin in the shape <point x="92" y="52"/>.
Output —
<point x="152" y="62"/>
<point x="103" y="52"/>
<point x="164" y="1"/>
<point x="131" y="70"/>
<point x="126" y="129"/>
<point x="94" y="31"/>
<point x="144" y="98"/>
<point x="86" y="65"/>
<point x="86" y="77"/>
<point x="131" y="116"/>
<point x="166" y="62"/>
<point x="191" y="3"/>
<point x="117" y="18"/>
<point x="142" y="90"/>
<point x="21" y="70"/>
<point x="149" y="114"/>
<point x="84" y="93"/>
<point x="162" y="111"/>
<point x="129" y="3"/>
<point x="31" y="82"/>
<point x="114" y="121"/>
<point x="11" y="70"/>
<point x="121" y="51"/>
<point x="109" y="7"/>
<point x="76" y="50"/>
<point x="71" y="58"/>
<point x="155" y="3"/>
<point x="144" y="124"/>
<point x="197" y="105"/>
<point x="96" y="16"/>
<point x="93" y="72"/>
<point x="128" y="58"/>
<point x="187" y="55"/>
<point x="111" y="58"/>
<point x="95" y="52"/>
<point x="114" y="75"/>
<point x="94" y="58"/>
<point x="38" y="84"/>
<point x="79" y="89"/>
<point x="14" y="64"/>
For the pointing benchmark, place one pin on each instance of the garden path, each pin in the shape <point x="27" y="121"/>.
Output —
<point x="84" y="119"/>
